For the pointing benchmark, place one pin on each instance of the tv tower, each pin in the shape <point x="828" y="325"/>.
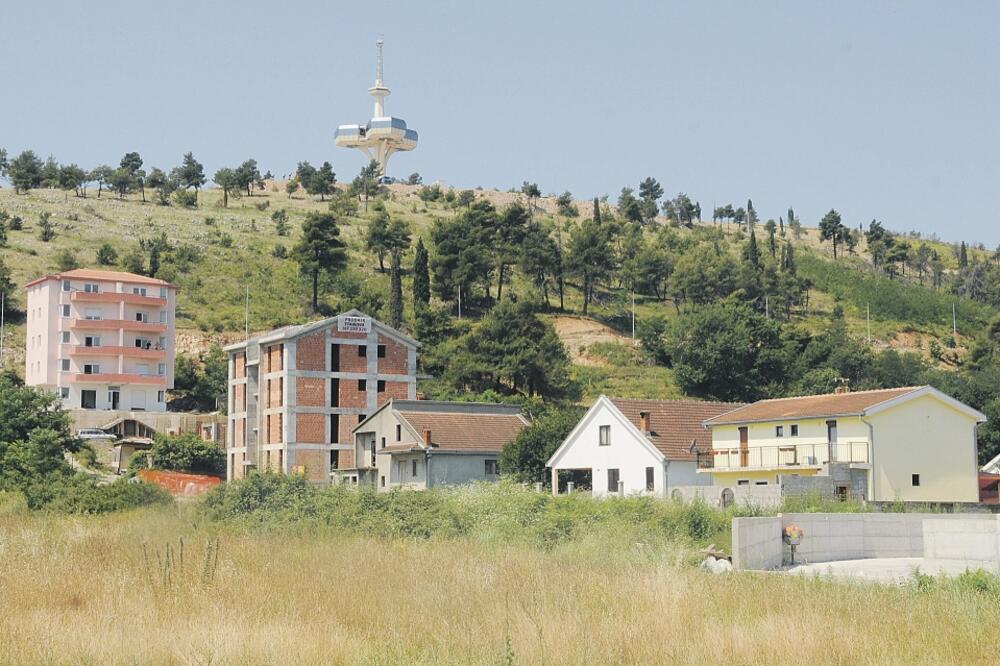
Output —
<point x="383" y="135"/>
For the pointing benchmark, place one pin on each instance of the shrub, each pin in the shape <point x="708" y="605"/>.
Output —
<point x="106" y="255"/>
<point x="187" y="453"/>
<point x="186" y="198"/>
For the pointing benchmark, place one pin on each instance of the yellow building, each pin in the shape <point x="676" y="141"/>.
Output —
<point x="908" y="444"/>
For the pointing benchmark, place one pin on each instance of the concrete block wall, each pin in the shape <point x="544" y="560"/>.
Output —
<point x="757" y="543"/>
<point x="970" y="542"/>
<point x="827" y="536"/>
<point x="765" y="497"/>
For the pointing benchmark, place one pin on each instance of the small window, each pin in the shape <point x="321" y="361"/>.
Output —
<point x="160" y="396"/>
<point x="163" y="292"/>
<point x="161" y="369"/>
<point x="793" y="430"/>
<point x="64" y="364"/>
<point x="92" y="341"/>
<point x="64" y="392"/>
<point x="381" y="386"/>
<point x="141" y="316"/>
<point x="362" y="350"/>
<point x="399" y="433"/>
<point x="65" y="285"/>
<point x="381" y="351"/>
<point x="334" y="460"/>
<point x="760" y="483"/>
<point x="915" y="480"/>
<point x="413" y="471"/>
<point x="383" y="480"/>
<point x="604" y="435"/>
<point x="362" y="384"/>
<point x="140" y="291"/>
<point x="649" y="479"/>
<point x="612" y="480"/>
<point x="64" y="310"/>
<point x="361" y="417"/>
<point x="779" y="431"/>
<point x="491" y="467"/>
<point x="163" y="316"/>
<point x="91" y="369"/>
<point x="91" y="288"/>
<point x="65" y="337"/>
<point x="383" y="442"/>
<point x="94" y="314"/>
<point x="743" y="482"/>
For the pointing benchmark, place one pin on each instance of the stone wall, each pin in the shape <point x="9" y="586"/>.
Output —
<point x="757" y="543"/>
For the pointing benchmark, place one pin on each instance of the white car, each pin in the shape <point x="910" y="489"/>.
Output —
<point x="92" y="433"/>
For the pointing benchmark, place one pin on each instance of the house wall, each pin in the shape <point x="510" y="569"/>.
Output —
<point x="924" y="436"/>
<point x="457" y="469"/>
<point x="812" y="435"/>
<point x="752" y="477"/>
<point x="381" y="431"/>
<point x="626" y="453"/>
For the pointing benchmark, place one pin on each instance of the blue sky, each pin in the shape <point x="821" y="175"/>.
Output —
<point x="885" y="110"/>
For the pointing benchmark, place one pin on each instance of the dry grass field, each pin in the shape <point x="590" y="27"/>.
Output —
<point x="101" y="590"/>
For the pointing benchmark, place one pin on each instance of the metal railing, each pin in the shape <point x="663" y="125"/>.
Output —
<point x="782" y="456"/>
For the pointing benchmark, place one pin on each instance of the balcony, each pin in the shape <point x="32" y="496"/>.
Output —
<point x="117" y="378"/>
<point x="116" y="324"/>
<point x="793" y="456"/>
<point x="128" y="352"/>
<point x="116" y="297"/>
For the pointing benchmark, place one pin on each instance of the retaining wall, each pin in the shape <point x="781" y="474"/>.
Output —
<point x="765" y="497"/>
<point x="973" y="543"/>
<point x="754" y="543"/>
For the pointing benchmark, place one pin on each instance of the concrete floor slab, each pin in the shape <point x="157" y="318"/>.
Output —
<point x="877" y="570"/>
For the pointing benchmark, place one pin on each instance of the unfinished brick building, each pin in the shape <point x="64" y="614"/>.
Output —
<point x="296" y="393"/>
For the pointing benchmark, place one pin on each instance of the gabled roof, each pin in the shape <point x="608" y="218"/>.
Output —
<point x="94" y="274"/>
<point x="992" y="467"/>
<point x="675" y="424"/>
<point x="829" y="405"/>
<point x="297" y="330"/>
<point x="455" y="426"/>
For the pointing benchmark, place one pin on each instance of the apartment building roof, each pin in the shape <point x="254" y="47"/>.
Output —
<point x="467" y="427"/>
<point x="829" y="405"/>
<point x="99" y="275"/>
<point x="674" y="424"/>
<point x="293" y="331"/>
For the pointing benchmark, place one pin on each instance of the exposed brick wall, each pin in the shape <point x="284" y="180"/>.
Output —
<point x="347" y="424"/>
<point x="274" y="390"/>
<point x="310" y="352"/>
<point x="310" y="392"/>
<point x="345" y="459"/>
<point x="350" y="361"/>
<point x="350" y="396"/>
<point x="395" y="360"/>
<point x="313" y="464"/>
<point x="239" y="428"/>
<point x="272" y="424"/>
<point x="397" y="390"/>
<point x="310" y="428"/>
<point x="240" y="365"/>
<point x="237" y="465"/>
<point x="240" y="398"/>
<point x="272" y="358"/>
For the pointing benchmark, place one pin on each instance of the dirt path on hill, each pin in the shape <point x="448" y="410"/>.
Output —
<point x="581" y="332"/>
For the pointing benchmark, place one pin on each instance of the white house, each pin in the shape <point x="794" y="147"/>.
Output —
<point x="636" y="446"/>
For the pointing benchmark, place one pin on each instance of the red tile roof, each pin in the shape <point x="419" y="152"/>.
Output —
<point x="94" y="274"/>
<point x="811" y="406"/>
<point x="675" y="424"/>
<point x="455" y="431"/>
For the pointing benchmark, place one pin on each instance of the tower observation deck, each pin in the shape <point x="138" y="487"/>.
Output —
<point x="383" y="135"/>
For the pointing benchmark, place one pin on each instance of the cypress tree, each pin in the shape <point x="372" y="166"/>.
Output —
<point x="421" y="276"/>
<point x="752" y="252"/>
<point x="963" y="256"/>
<point x="395" y="293"/>
<point x="597" y="211"/>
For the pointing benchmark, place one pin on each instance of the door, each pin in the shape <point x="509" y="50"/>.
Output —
<point x="114" y="395"/>
<point x="831" y="440"/>
<point x="744" y="447"/>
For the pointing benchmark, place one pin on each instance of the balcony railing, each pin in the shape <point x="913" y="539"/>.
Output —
<point x="779" y="457"/>
<point x="114" y="350"/>
<point x="116" y="297"/>
<point x="116" y="324"/>
<point x="118" y="378"/>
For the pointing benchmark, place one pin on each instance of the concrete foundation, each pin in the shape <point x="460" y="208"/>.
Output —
<point x="754" y="543"/>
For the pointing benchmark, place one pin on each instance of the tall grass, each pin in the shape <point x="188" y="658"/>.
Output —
<point x="78" y="590"/>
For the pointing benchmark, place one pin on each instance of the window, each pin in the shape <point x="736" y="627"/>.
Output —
<point x="491" y="468"/>
<point x="92" y="341"/>
<point x="64" y="392"/>
<point x="612" y="480"/>
<point x="383" y="480"/>
<point x="604" y="435"/>
<point x="760" y="483"/>
<point x="914" y="480"/>
<point x="161" y="396"/>
<point x="65" y="337"/>
<point x="64" y="310"/>
<point x="362" y="350"/>
<point x="162" y="343"/>
<point x="362" y="384"/>
<point x="64" y="364"/>
<point x="142" y="369"/>
<point x="793" y="430"/>
<point x="163" y="292"/>
<point x="779" y="431"/>
<point x="91" y="288"/>
<point x="649" y="479"/>
<point x="334" y="358"/>
<point x="141" y="316"/>
<point x="335" y="392"/>
<point x="163" y="316"/>
<point x="334" y="427"/>
<point x="139" y="291"/>
<point x="93" y="314"/>
<point x="381" y="386"/>
<point x="65" y="285"/>
<point x="413" y="471"/>
<point x="383" y="442"/>
<point x="361" y="417"/>
<point x="334" y="460"/>
<point x="161" y="369"/>
<point x="88" y="399"/>
<point x="399" y="433"/>
<point x="743" y="482"/>
<point x="381" y="351"/>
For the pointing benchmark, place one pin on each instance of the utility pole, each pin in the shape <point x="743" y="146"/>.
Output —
<point x="633" y="315"/>
<point x="767" y="307"/>
<point x="954" y="322"/>
<point x="3" y="306"/>
<point x="246" y="314"/>
<point x="868" y="318"/>
<point x="459" y="301"/>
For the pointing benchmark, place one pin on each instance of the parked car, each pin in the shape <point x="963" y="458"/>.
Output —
<point x="92" y="433"/>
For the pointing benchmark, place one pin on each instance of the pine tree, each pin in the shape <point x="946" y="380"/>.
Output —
<point x="395" y="293"/>
<point x="320" y="250"/>
<point x="421" y="276"/>
<point x="963" y="256"/>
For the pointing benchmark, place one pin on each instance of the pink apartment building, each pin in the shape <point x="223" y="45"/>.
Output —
<point x="101" y="339"/>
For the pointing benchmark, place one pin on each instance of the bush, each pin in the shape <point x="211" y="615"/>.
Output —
<point x="186" y="453"/>
<point x="186" y="198"/>
<point x="83" y="496"/>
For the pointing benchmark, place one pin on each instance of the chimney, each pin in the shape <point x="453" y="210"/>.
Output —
<point x="427" y="437"/>
<point x="644" y="423"/>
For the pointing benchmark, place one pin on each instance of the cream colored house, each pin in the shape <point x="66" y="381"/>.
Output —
<point x="910" y="444"/>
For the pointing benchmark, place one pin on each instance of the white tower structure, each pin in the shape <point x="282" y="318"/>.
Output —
<point x="383" y="135"/>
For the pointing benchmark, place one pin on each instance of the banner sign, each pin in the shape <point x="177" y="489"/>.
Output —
<point x="354" y="324"/>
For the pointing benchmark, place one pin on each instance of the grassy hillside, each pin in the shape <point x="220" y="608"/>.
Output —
<point x="221" y="252"/>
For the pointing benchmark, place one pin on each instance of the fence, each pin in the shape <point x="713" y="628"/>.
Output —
<point x="791" y="456"/>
